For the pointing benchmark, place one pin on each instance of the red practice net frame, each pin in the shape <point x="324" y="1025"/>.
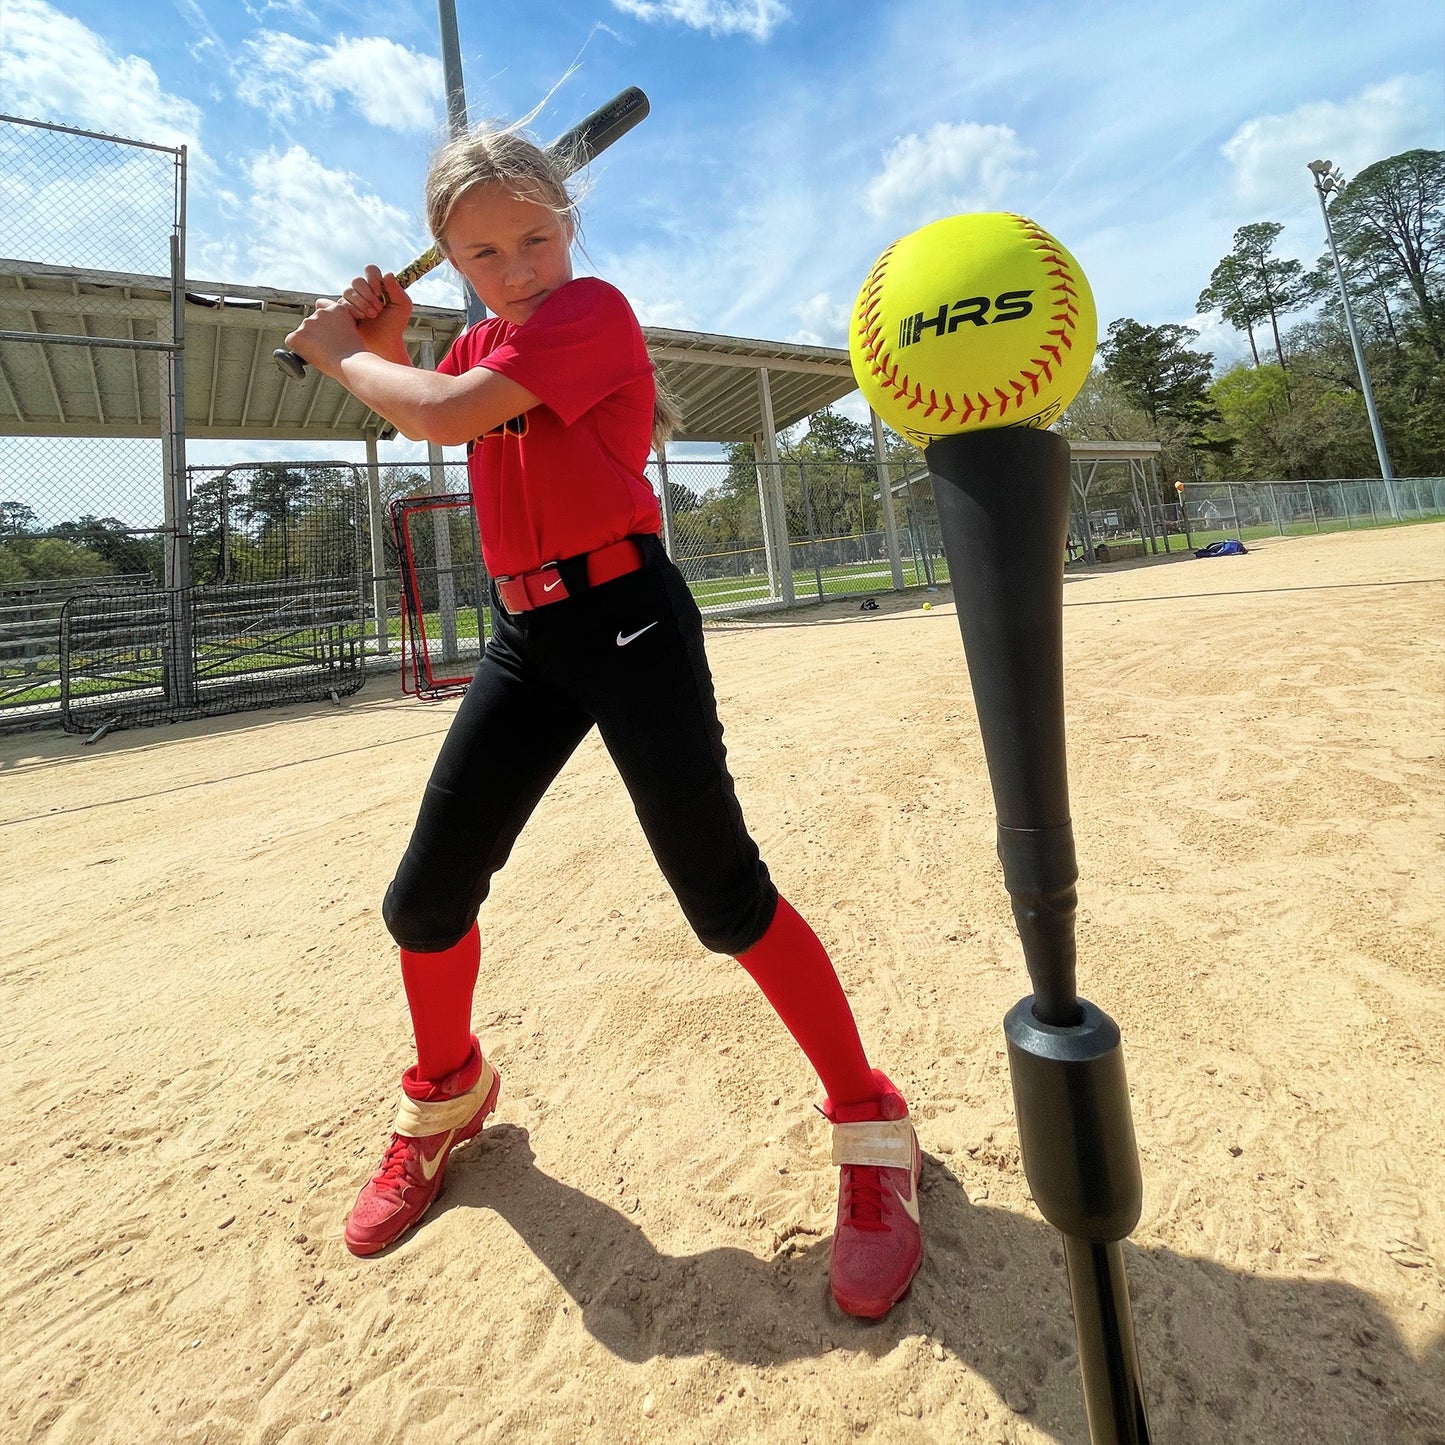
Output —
<point x="444" y="593"/>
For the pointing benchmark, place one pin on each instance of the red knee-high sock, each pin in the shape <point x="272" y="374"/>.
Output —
<point x="439" y="993"/>
<point x="796" y="976"/>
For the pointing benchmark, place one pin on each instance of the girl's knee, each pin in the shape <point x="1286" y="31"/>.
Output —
<point x="736" y="929"/>
<point x="424" y="924"/>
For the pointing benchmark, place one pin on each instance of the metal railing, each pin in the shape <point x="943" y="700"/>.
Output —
<point x="747" y="539"/>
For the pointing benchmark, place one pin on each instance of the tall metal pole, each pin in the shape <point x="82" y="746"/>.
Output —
<point x="1327" y="180"/>
<point x="181" y="673"/>
<point x="457" y="124"/>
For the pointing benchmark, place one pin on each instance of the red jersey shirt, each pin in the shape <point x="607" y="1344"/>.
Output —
<point x="566" y="477"/>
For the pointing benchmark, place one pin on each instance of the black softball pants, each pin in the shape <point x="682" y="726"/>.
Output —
<point x="628" y="657"/>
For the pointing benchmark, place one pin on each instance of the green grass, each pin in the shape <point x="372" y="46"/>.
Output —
<point x="853" y="579"/>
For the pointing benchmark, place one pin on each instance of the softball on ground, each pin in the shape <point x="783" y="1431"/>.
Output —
<point x="928" y="607"/>
<point x="971" y="322"/>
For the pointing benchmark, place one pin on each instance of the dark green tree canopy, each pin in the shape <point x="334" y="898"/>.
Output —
<point x="1269" y="286"/>
<point x="1154" y="367"/>
<point x="1229" y="293"/>
<point x="1392" y="217"/>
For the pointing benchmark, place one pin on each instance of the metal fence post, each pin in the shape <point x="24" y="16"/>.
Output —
<point x="775" y="511"/>
<point x="885" y="497"/>
<point x="377" y="516"/>
<point x="812" y="528"/>
<point x="181" y="675"/>
<point x="660" y="453"/>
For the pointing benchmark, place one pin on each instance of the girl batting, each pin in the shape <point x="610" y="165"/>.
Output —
<point x="554" y="396"/>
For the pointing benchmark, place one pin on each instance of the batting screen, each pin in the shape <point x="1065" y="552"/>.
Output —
<point x="443" y="593"/>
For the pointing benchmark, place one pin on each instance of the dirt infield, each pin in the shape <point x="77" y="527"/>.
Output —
<point x="202" y="1026"/>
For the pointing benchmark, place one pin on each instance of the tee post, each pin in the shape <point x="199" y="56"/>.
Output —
<point x="1003" y="509"/>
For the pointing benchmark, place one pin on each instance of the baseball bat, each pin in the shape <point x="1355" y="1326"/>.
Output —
<point x="573" y="150"/>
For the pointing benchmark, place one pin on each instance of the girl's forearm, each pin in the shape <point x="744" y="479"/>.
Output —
<point x="398" y="391"/>
<point x="427" y="406"/>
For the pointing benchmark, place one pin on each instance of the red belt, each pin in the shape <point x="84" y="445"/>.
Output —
<point x="528" y="590"/>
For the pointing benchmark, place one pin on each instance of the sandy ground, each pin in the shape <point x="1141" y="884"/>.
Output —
<point x="201" y="1027"/>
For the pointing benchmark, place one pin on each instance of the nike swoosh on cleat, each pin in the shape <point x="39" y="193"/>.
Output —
<point x="633" y="636"/>
<point x="910" y="1205"/>
<point x="430" y="1166"/>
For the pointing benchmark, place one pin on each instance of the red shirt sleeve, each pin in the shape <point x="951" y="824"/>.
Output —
<point x="581" y="346"/>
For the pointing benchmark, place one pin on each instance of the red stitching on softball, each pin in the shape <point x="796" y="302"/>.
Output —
<point x="1066" y="294"/>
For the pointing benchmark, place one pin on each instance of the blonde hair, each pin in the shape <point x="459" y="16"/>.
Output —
<point x="494" y="154"/>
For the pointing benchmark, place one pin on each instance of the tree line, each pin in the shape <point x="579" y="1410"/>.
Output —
<point x="247" y="524"/>
<point x="1293" y="410"/>
<point x="1296" y="408"/>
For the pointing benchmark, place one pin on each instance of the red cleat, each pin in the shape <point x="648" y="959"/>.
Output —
<point x="433" y="1120"/>
<point x="878" y="1241"/>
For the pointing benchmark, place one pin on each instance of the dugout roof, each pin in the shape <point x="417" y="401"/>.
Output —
<point x="234" y="391"/>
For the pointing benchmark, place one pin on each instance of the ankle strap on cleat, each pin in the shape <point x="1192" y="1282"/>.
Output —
<point x="884" y="1143"/>
<point x="417" y="1118"/>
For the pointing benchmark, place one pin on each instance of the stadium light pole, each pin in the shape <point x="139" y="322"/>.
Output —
<point x="1329" y="180"/>
<point x="457" y="122"/>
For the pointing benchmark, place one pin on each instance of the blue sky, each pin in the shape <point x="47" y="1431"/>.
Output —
<point x="789" y="140"/>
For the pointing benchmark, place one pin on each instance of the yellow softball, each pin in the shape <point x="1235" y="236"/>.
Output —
<point x="973" y="321"/>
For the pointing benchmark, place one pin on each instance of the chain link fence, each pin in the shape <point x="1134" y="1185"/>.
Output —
<point x="1250" y="510"/>
<point x="842" y="531"/>
<point x="76" y="198"/>
<point x="315" y="544"/>
<point x="1134" y="522"/>
<point x="79" y="513"/>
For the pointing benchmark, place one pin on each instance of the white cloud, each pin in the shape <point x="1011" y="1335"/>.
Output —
<point x="825" y="321"/>
<point x="71" y="201"/>
<point x="390" y="85"/>
<point x="1228" y="346"/>
<point x="441" y="287"/>
<point x="654" y="311"/>
<point x="316" y="228"/>
<point x="757" y="18"/>
<point x="294" y="8"/>
<point x="1270" y="152"/>
<point x="954" y="168"/>
<point x="53" y="68"/>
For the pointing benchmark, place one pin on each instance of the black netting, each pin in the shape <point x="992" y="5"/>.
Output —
<point x="150" y="655"/>
<point x="445" y="611"/>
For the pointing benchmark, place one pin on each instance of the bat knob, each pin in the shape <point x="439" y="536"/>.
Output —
<point x="289" y="363"/>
